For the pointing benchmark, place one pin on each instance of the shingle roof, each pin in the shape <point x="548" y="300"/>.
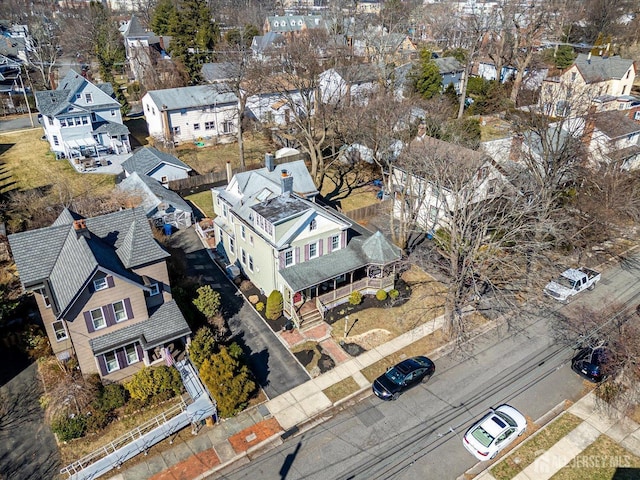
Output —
<point x="448" y="65"/>
<point x="598" y="69"/>
<point x="260" y="43"/>
<point x="358" y="73"/>
<point x="360" y="251"/>
<point x="135" y="29"/>
<point x="294" y="23"/>
<point x="219" y="72"/>
<point x="111" y="128"/>
<point x="191" y="97"/>
<point x="280" y="208"/>
<point x="166" y="324"/>
<point x="66" y="258"/>
<point x="147" y="159"/>
<point x="615" y="124"/>
<point x="153" y="192"/>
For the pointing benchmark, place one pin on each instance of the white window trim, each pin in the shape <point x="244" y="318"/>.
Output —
<point x="250" y="264"/>
<point x="93" y="320"/>
<point x="155" y="289"/>
<point x="337" y="246"/>
<point x="317" y="254"/>
<point x="106" y="363"/>
<point x="97" y="284"/>
<point x="135" y="350"/>
<point x="64" y="329"/>
<point x="115" y="313"/>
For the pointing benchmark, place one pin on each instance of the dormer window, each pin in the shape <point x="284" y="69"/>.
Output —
<point x="100" y="284"/>
<point x="313" y="225"/>
<point x="276" y="24"/>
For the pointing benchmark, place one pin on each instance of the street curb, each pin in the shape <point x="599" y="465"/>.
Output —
<point x="542" y="422"/>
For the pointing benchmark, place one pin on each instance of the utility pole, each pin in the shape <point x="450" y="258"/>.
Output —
<point x="26" y="99"/>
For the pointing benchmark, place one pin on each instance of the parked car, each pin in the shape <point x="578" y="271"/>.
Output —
<point x="402" y="377"/>
<point x="571" y="282"/>
<point x="495" y="431"/>
<point x="588" y="363"/>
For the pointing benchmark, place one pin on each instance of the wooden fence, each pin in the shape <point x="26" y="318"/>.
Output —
<point x="364" y="213"/>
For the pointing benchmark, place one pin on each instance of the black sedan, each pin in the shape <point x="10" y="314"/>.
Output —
<point x="589" y="362"/>
<point x="403" y="376"/>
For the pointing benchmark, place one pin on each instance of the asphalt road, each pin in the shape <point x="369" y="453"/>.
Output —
<point x="420" y="435"/>
<point x="19" y="123"/>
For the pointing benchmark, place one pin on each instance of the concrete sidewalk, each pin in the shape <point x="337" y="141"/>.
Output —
<point x="617" y="427"/>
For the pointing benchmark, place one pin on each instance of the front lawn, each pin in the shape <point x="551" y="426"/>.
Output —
<point x="203" y="201"/>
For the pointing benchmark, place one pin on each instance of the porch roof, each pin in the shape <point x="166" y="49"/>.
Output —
<point x="360" y="252"/>
<point x="166" y="324"/>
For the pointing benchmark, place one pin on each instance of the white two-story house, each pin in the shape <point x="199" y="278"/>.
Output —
<point x="269" y="227"/>
<point x="202" y="113"/>
<point x="82" y="119"/>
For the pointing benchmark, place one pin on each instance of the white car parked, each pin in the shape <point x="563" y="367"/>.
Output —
<point x="495" y="431"/>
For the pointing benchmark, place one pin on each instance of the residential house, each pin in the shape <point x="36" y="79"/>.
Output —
<point x="428" y="200"/>
<point x="268" y="225"/>
<point x="207" y="113"/>
<point x="371" y="7"/>
<point x="221" y="72"/>
<point x="377" y="45"/>
<point x="451" y="71"/>
<point x="144" y="50"/>
<point x="80" y="118"/>
<point x="102" y="288"/>
<point x="15" y="41"/>
<point x="265" y="47"/>
<point x="290" y="26"/>
<point x="158" y="165"/>
<point x="11" y="86"/>
<point x="277" y="108"/>
<point x="349" y="84"/>
<point x="161" y="205"/>
<point x="590" y="77"/>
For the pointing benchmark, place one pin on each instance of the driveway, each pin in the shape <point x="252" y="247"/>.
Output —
<point x="19" y="123"/>
<point x="27" y="446"/>
<point x="275" y="368"/>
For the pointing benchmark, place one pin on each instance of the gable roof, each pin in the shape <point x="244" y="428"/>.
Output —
<point x="154" y="193"/>
<point x="294" y="23"/>
<point x="615" y="123"/>
<point x="448" y="65"/>
<point x="146" y="159"/>
<point x="220" y="71"/>
<point x="260" y="43"/>
<point x="358" y="73"/>
<point x="135" y="29"/>
<point x="599" y="69"/>
<point x="53" y="102"/>
<point x="68" y="258"/>
<point x="191" y="97"/>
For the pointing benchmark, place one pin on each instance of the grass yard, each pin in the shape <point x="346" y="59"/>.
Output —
<point x="26" y="163"/>
<point x="535" y="446"/>
<point x="350" y="187"/>
<point x="374" y="327"/>
<point x="203" y="201"/>
<point x="602" y="460"/>
<point x="214" y="158"/>
<point x="342" y="389"/>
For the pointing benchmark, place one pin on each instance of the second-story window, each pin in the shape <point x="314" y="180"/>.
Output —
<point x="232" y="246"/>
<point x="98" y="319"/>
<point x="113" y="113"/>
<point x="335" y="242"/>
<point x="242" y="232"/>
<point x="244" y="256"/>
<point x="155" y="289"/>
<point x="100" y="283"/>
<point x="288" y="258"/>
<point x="88" y="98"/>
<point x="250" y="263"/>
<point x="119" y="311"/>
<point x="313" y="250"/>
<point x="60" y="330"/>
<point x="313" y="225"/>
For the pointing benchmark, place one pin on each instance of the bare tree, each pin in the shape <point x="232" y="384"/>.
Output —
<point x="46" y="46"/>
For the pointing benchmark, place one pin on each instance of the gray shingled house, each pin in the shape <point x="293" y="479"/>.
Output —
<point x="268" y="225"/>
<point x="161" y="166"/>
<point x="102" y="288"/>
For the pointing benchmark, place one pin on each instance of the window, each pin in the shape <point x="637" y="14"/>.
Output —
<point x="111" y="362"/>
<point x="153" y="111"/>
<point x="59" y="330"/>
<point x="196" y="126"/>
<point x="131" y="353"/>
<point x="176" y="130"/>
<point x="113" y="113"/>
<point x="335" y="242"/>
<point x="244" y="256"/>
<point x="208" y="125"/>
<point x="85" y="120"/>
<point x="119" y="311"/>
<point x="636" y="115"/>
<point x="98" y="319"/>
<point x="78" y="121"/>
<point x="183" y="111"/>
<point x="45" y="297"/>
<point x="100" y="283"/>
<point x="147" y="106"/>
<point x="88" y="98"/>
<point x="63" y="122"/>
<point x="573" y="76"/>
<point x="288" y="258"/>
<point x="433" y="213"/>
<point x="232" y="246"/>
<point x="55" y="140"/>
<point x="164" y="179"/>
<point x="250" y="263"/>
<point x="227" y="126"/>
<point x="78" y="96"/>
<point x="624" y="90"/>
<point x="242" y="232"/>
<point x="93" y="117"/>
<point x="155" y="289"/>
<point x="50" y="120"/>
<point x="313" y="250"/>
<point x="251" y="239"/>
<point x="313" y="225"/>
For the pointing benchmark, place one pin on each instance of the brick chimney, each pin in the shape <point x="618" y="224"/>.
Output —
<point x="515" y="150"/>
<point x="589" y="126"/>
<point x="80" y="226"/>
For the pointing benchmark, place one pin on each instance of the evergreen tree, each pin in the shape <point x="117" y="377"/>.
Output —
<point x="207" y="301"/>
<point x="202" y="346"/>
<point x="161" y="19"/>
<point x="428" y="82"/>
<point x="106" y="41"/>
<point x="194" y="35"/>
<point x="228" y="381"/>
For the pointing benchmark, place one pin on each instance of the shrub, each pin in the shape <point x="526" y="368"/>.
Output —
<point x="260" y="306"/>
<point x="202" y="346"/>
<point x="228" y="381"/>
<point x="149" y="382"/>
<point x="111" y="397"/>
<point x="97" y="420"/>
<point x="274" y="305"/>
<point x="381" y="295"/>
<point x="67" y="428"/>
<point x="355" y="298"/>
<point x="208" y="301"/>
<point x="394" y="294"/>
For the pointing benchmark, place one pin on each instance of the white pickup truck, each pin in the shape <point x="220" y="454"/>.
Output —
<point x="571" y="282"/>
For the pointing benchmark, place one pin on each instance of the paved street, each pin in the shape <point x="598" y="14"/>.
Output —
<point x="275" y="368"/>
<point x="19" y="123"/>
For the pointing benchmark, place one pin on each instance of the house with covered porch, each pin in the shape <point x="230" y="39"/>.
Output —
<point x="269" y="226"/>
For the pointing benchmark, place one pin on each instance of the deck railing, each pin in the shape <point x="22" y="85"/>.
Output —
<point x="340" y="295"/>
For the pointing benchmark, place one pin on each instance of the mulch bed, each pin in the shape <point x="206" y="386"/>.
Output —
<point x="352" y="349"/>
<point x="254" y="434"/>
